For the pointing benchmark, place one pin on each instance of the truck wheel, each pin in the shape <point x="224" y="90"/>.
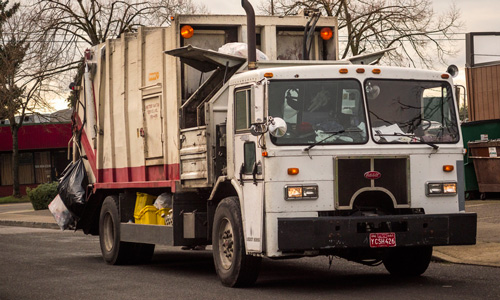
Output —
<point x="411" y="261"/>
<point x="233" y="266"/>
<point x="113" y="251"/>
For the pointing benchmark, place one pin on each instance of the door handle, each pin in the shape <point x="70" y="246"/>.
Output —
<point x="254" y="173"/>
<point x="242" y="169"/>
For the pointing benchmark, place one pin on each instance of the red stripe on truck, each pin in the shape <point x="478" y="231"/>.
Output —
<point x="142" y="173"/>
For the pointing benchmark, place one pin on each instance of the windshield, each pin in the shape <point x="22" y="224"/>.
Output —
<point x="318" y="111"/>
<point x="411" y="111"/>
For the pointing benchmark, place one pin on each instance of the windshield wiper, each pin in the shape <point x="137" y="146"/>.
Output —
<point x="410" y="136"/>
<point x="332" y="133"/>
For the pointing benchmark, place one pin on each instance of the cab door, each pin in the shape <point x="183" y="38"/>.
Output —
<point x="248" y="163"/>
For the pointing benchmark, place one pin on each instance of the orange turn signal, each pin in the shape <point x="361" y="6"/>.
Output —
<point x="187" y="31"/>
<point x="293" y="171"/>
<point x="445" y="76"/>
<point x="268" y="75"/>
<point x="448" y="168"/>
<point x="343" y="71"/>
<point x="264" y="154"/>
<point x="376" y="71"/>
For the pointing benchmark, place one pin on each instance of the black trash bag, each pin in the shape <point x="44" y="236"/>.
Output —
<point x="72" y="186"/>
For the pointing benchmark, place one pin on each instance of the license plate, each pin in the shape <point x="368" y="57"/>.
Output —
<point x="380" y="240"/>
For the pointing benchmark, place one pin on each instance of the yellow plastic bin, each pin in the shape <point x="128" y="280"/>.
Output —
<point x="147" y="215"/>
<point x="164" y="216"/>
<point x="142" y="201"/>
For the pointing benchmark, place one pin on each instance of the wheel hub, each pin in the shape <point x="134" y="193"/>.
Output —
<point x="226" y="242"/>
<point x="109" y="233"/>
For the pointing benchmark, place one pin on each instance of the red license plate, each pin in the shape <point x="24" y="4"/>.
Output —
<point x="380" y="240"/>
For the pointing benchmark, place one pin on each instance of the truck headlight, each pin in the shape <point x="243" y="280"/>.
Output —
<point x="301" y="192"/>
<point x="444" y="188"/>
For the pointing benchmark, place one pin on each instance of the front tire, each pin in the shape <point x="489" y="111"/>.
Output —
<point x="408" y="262"/>
<point x="233" y="266"/>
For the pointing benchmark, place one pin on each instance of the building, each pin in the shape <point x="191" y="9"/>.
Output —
<point x="43" y="148"/>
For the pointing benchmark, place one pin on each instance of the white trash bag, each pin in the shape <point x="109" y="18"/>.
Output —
<point x="241" y="50"/>
<point x="61" y="214"/>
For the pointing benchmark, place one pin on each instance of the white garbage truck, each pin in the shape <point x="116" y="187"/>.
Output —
<point x="286" y="153"/>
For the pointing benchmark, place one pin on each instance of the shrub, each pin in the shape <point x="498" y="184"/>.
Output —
<point x="42" y="195"/>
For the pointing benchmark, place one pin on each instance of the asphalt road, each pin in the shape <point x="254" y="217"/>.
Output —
<point x="50" y="264"/>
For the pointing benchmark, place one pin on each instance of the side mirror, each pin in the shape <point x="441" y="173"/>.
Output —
<point x="452" y="70"/>
<point x="277" y="127"/>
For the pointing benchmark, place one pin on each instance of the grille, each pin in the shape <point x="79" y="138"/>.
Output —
<point x="390" y="179"/>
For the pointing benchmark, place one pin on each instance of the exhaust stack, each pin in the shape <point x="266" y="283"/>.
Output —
<point x="251" y="41"/>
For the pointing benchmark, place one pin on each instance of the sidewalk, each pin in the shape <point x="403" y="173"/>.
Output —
<point x="486" y="252"/>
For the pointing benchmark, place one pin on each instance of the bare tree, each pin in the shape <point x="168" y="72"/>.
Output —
<point x="372" y="25"/>
<point x="94" y="21"/>
<point x="79" y="24"/>
<point x="29" y="60"/>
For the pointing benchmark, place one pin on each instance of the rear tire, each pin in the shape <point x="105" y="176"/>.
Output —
<point x="408" y="262"/>
<point x="233" y="266"/>
<point x="114" y="251"/>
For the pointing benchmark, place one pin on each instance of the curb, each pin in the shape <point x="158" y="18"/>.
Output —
<point x="444" y="258"/>
<point x="29" y="224"/>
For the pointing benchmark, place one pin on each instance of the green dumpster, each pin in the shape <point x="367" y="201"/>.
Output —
<point x="471" y="132"/>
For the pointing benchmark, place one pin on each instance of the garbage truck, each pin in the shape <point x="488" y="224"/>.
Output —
<point x="266" y="148"/>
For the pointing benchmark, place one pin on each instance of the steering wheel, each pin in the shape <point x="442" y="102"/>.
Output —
<point x="291" y="100"/>
<point x="425" y="124"/>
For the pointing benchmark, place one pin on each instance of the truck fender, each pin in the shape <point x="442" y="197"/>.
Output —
<point x="225" y="188"/>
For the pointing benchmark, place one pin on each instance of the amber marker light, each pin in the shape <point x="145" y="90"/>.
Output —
<point x="293" y="171"/>
<point x="326" y="33"/>
<point x="343" y="71"/>
<point x="265" y="154"/>
<point x="187" y="31"/>
<point x="445" y="76"/>
<point x="448" y="168"/>
<point x="268" y="75"/>
<point x="360" y="70"/>
<point x="376" y="71"/>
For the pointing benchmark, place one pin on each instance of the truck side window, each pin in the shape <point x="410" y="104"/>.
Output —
<point x="250" y="157"/>
<point x="242" y="109"/>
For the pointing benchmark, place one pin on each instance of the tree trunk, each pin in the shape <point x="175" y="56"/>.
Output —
<point x="15" y="162"/>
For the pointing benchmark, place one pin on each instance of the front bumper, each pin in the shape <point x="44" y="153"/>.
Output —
<point x="323" y="233"/>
